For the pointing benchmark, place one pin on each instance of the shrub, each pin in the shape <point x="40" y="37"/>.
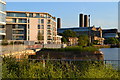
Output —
<point x="4" y="42"/>
<point x="55" y="69"/>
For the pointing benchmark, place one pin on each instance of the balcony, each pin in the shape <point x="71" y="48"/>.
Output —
<point x="2" y="31"/>
<point x="9" y="22"/>
<point x="49" y="23"/>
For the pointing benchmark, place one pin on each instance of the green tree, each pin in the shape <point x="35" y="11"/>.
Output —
<point x="66" y="34"/>
<point x="64" y="40"/>
<point x="83" y="40"/>
<point x="4" y="42"/>
<point x="40" y="37"/>
<point x="111" y="41"/>
<point x="95" y="42"/>
<point x="69" y="33"/>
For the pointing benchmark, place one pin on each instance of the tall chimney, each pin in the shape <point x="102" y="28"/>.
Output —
<point x="58" y="23"/>
<point x="86" y="21"/>
<point x="81" y="20"/>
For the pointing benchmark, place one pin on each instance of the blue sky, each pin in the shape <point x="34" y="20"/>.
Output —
<point x="104" y="14"/>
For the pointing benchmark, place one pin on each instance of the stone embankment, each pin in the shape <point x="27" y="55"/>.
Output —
<point x="97" y="55"/>
<point x="21" y="54"/>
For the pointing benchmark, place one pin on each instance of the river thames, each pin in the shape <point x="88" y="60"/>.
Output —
<point x="111" y="53"/>
<point x="112" y="56"/>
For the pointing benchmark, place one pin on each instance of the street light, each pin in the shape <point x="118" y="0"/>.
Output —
<point x="89" y="31"/>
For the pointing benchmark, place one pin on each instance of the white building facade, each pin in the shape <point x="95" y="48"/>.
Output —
<point x="2" y="19"/>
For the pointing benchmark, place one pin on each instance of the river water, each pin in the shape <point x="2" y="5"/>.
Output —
<point x="112" y="55"/>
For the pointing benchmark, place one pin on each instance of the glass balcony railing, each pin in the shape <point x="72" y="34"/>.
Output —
<point x="2" y="31"/>
<point x="18" y="33"/>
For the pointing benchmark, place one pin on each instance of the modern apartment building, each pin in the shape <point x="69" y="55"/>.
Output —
<point x="2" y="19"/>
<point x="28" y="26"/>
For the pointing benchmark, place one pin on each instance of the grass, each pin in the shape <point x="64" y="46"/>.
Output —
<point x="56" y="69"/>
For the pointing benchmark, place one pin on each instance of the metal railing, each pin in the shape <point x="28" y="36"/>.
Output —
<point x="113" y="63"/>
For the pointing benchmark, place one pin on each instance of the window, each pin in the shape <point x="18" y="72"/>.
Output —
<point x="42" y="26"/>
<point x="45" y="16"/>
<point x="14" y="20"/>
<point x="42" y="20"/>
<point x="18" y="32"/>
<point x="48" y="21"/>
<point x="22" y="20"/>
<point x="31" y="15"/>
<point x="17" y="14"/>
<point x="42" y="31"/>
<point x="38" y="26"/>
<point x="38" y="20"/>
<point x="38" y="31"/>
<point x="18" y="37"/>
<point x="2" y="31"/>
<point x="2" y="26"/>
<point x="48" y="27"/>
<point x="37" y="15"/>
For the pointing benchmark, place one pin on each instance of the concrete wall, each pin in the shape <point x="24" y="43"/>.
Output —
<point x="52" y="45"/>
<point x="33" y="29"/>
<point x="45" y="31"/>
<point x="9" y="32"/>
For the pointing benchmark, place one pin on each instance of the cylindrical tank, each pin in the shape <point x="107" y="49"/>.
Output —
<point x="58" y="23"/>
<point x="86" y="21"/>
<point x="81" y="20"/>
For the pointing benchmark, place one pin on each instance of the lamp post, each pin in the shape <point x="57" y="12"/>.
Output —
<point x="89" y="31"/>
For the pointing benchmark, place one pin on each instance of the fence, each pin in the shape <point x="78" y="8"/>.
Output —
<point x="12" y="48"/>
<point x="114" y="63"/>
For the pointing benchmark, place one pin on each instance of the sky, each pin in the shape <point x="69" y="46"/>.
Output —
<point x="103" y="14"/>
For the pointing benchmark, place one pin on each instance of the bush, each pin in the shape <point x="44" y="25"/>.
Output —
<point x="11" y="43"/>
<point x="83" y="40"/>
<point x="18" y="42"/>
<point x="74" y="49"/>
<point x="111" y="41"/>
<point x="4" y="42"/>
<point x="55" y="69"/>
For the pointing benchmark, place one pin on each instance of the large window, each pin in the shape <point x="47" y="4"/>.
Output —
<point x="37" y="15"/>
<point x="31" y="15"/>
<point x="18" y="37"/>
<point x="18" y="32"/>
<point x="22" y="20"/>
<point x="16" y="14"/>
<point x="19" y="26"/>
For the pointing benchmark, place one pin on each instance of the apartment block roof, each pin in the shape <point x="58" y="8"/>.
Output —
<point x="30" y="12"/>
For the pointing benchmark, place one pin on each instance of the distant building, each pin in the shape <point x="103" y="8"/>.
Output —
<point x="25" y="26"/>
<point x="108" y="33"/>
<point x="73" y="40"/>
<point x="94" y="33"/>
<point x="2" y="19"/>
